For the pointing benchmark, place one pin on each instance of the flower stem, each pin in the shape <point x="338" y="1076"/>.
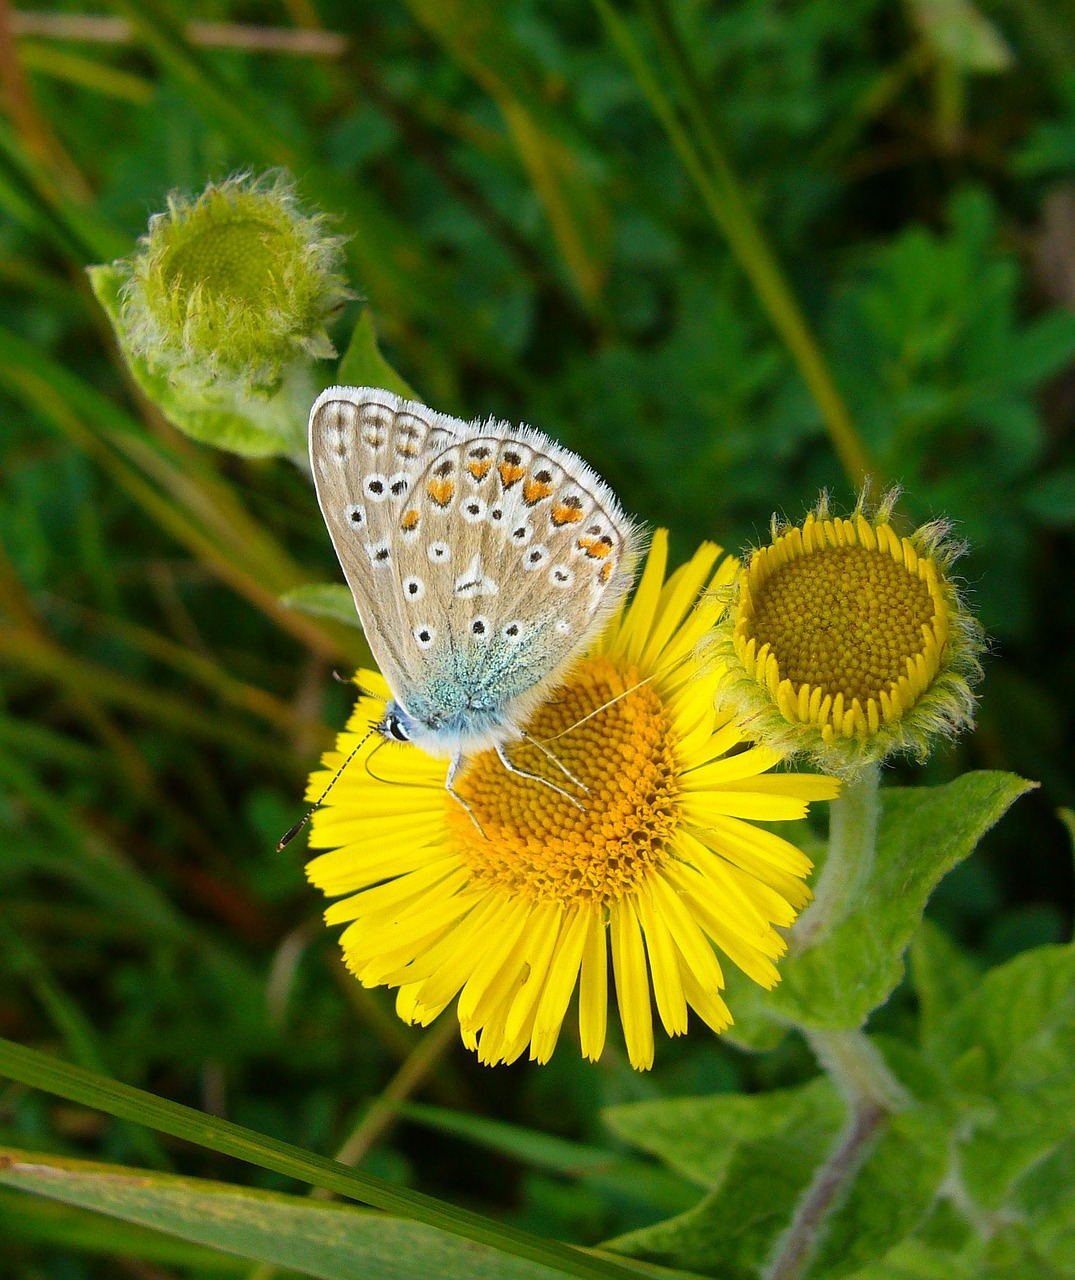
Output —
<point x="872" y="1093"/>
<point x="852" y="845"/>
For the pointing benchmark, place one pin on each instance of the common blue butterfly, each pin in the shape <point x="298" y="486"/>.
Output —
<point x="482" y="558"/>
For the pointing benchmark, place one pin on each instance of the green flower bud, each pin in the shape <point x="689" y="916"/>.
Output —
<point x="234" y="287"/>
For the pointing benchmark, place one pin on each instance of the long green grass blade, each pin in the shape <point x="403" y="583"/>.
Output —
<point x="329" y="1241"/>
<point x="39" y="1071"/>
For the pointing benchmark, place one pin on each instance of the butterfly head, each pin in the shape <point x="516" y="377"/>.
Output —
<point x="397" y="726"/>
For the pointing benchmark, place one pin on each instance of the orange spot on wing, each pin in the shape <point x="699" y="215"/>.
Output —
<point x="409" y="521"/>
<point x="606" y="571"/>
<point x="596" y="548"/>
<point x="534" y="491"/>
<point x="510" y="474"/>
<point x="440" y="491"/>
<point x="569" y="512"/>
<point x="479" y="468"/>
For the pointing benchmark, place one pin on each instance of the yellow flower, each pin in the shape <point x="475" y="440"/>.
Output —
<point x="849" y="642"/>
<point x="658" y="861"/>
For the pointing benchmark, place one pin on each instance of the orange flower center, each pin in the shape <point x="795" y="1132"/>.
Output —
<point x="617" y="741"/>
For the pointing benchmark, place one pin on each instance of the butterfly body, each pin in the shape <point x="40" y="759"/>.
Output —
<point x="482" y="558"/>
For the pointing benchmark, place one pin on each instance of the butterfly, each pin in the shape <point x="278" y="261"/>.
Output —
<point x="482" y="558"/>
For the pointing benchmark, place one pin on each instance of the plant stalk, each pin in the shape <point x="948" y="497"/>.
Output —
<point x="853" y="819"/>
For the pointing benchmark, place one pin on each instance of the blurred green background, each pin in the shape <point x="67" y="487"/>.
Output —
<point x="553" y="211"/>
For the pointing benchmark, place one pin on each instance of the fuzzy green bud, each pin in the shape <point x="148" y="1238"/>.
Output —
<point x="236" y="285"/>
<point x="222" y="312"/>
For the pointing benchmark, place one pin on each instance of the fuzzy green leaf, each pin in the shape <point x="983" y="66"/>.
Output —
<point x="335" y="1242"/>
<point x="221" y="416"/>
<point x="1006" y="1053"/>
<point x="363" y="365"/>
<point x="941" y="973"/>
<point x="759" y="1154"/>
<point x="924" y="832"/>
<point x="324" y="600"/>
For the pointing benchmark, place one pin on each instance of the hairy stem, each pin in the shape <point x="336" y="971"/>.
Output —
<point x="872" y="1094"/>
<point x="852" y="845"/>
<point x="798" y="1242"/>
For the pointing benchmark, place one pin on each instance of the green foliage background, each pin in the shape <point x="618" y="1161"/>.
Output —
<point x="530" y="242"/>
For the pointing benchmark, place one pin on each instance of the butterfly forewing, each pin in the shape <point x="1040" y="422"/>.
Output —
<point x="366" y="448"/>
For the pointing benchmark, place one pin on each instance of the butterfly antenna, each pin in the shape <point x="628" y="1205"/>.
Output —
<point x="597" y="710"/>
<point x="290" y="835"/>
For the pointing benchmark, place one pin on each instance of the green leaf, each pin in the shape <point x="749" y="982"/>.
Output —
<point x="40" y="1071"/>
<point x="363" y="365"/>
<point x="1045" y="1200"/>
<point x="222" y="417"/>
<point x="324" y="600"/>
<point x="941" y="973"/>
<point x="915" y="1260"/>
<point x="1006" y="1053"/>
<point x="699" y="1137"/>
<point x="334" y="1242"/>
<point x="759" y="1154"/>
<point x="924" y="832"/>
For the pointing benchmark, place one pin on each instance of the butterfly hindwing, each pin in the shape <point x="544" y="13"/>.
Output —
<point x="512" y="551"/>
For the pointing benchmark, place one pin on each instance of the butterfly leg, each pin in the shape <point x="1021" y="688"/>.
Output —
<point x="536" y="777"/>
<point x="453" y="769"/>
<point x="557" y="762"/>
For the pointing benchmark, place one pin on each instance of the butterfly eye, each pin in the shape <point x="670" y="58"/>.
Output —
<point x="439" y="552"/>
<point x="536" y="557"/>
<point x="395" y="727"/>
<point x="355" y="515"/>
<point x="562" y="627"/>
<point x="513" y="632"/>
<point x="398" y="484"/>
<point x="522" y="534"/>
<point x="414" y="588"/>
<point x="480" y="628"/>
<point x="380" y="554"/>
<point x="376" y="487"/>
<point x="425" y="636"/>
<point x="561" y="576"/>
<point x="473" y="510"/>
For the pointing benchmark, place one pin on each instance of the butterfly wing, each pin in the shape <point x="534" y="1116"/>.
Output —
<point x="367" y="446"/>
<point x="511" y="552"/>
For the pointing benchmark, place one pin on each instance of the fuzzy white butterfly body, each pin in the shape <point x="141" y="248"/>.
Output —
<point x="482" y="558"/>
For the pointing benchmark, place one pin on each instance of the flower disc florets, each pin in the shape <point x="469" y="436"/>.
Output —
<point x="850" y="642"/>
<point x="236" y="285"/>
